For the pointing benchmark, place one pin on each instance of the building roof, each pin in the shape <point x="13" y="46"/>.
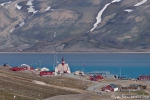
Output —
<point x="113" y="85"/>
<point x="44" y="69"/>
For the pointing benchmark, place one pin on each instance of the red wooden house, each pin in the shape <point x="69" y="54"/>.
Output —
<point x="46" y="73"/>
<point x="110" y="88"/>
<point x="144" y="77"/>
<point x="20" y="68"/>
<point x="96" y="77"/>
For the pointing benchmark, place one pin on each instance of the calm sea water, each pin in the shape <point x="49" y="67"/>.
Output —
<point x="129" y="64"/>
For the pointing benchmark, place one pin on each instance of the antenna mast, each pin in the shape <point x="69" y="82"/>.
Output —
<point x="55" y="54"/>
<point x="120" y="73"/>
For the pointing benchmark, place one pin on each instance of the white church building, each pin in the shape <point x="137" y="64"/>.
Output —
<point x="62" y="68"/>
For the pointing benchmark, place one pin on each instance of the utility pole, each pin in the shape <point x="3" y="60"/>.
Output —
<point x="83" y="67"/>
<point x="40" y="63"/>
<point x="120" y="73"/>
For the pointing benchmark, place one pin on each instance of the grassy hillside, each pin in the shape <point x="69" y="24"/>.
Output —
<point x="21" y="85"/>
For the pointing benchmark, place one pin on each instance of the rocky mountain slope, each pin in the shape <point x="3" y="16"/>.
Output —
<point x="74" y="25"/>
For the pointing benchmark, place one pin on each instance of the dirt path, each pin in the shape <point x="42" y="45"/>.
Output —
<point x="60" y="87"/>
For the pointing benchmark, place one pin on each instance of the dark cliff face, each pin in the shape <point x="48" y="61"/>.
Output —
<point x="124" y="27"/>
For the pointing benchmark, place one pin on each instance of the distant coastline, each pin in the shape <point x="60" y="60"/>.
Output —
<point x="68" y="52"/>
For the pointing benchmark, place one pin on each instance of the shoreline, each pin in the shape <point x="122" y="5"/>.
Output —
<point x="72" y="52"/>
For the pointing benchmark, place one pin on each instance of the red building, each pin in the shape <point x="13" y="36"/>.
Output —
<point x="110" y="88"/>
<point x="46" y="73"/>
<point x="96" y="77"/>
<point x="144" y="77"/>
<point x="21" y="68"/>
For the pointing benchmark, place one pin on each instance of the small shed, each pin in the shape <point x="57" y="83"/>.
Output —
<point x="79" y="73"/>
<point x="44" y="69"/>
<point x="133" y="87"/>
<point x="46" y="73"/>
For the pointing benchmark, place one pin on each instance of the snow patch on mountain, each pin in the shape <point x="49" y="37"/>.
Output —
<point x="115" y="1"/>
<point x="31" y="7"/>
<point x="2" y="4"/>
<point x="98" y="18"/>
<point x="140" y="3"/>
<point x="18" y="7"/>
<point x="48" y="8"/>
<point x="32" y="10"/>
<point x="29" y="3"/>
<point x="128" y="10"/>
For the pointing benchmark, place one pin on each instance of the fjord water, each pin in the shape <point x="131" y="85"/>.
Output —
<point x="127" y="64"/>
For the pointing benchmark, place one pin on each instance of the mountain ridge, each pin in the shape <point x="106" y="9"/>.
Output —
<point x="31" y="26"/>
